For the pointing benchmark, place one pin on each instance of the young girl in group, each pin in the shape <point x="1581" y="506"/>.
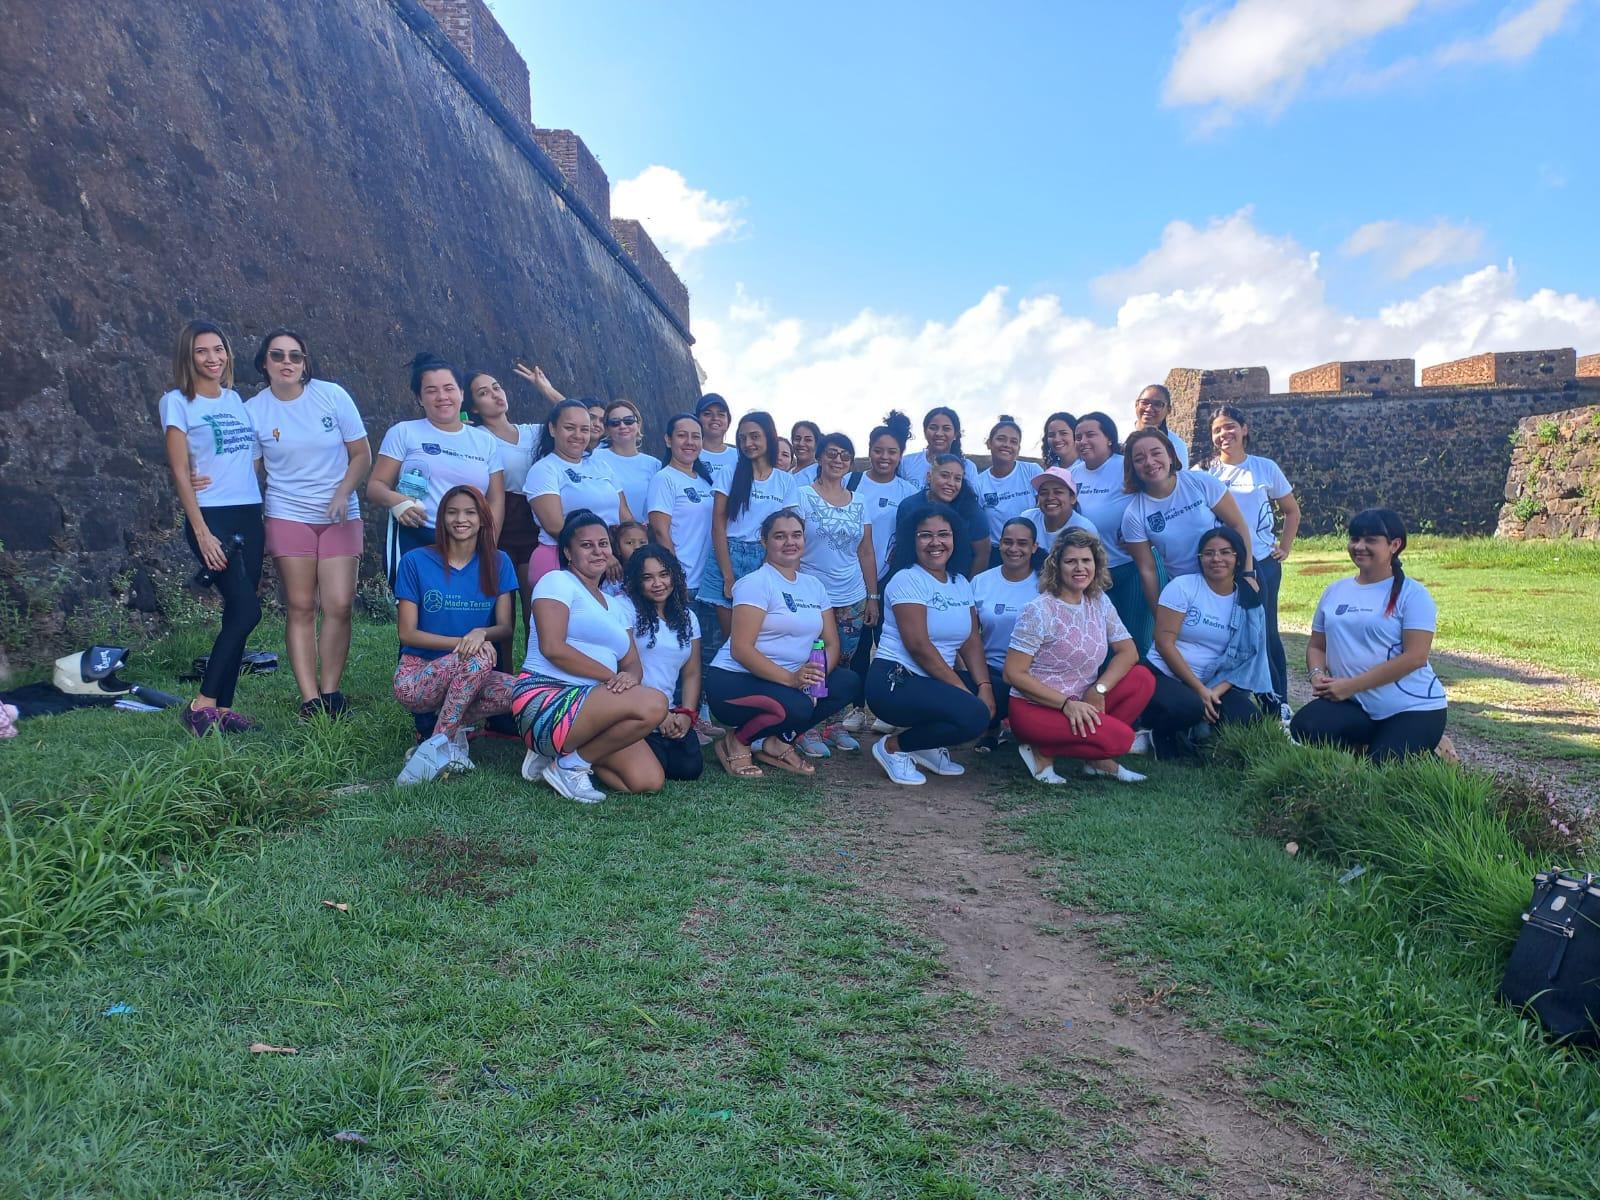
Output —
<point x="209" y="436"/>
<point x="1057" y="448"/>
<point x="1259" y="486"/>
<point x="454" y="603"/>
<point x="314" y="448"/>
<point x="487" y="407"/>
<point x="564" y="479"/>
<point x="626" y="537"/>
<point x="941" y="430"/>
<point x="578" y="703"/>
<point x="1370" y="637"/>
<point x="745" y="498"/>
<point x="623" y="453"/>
<point x="420" y="460"/>
<point x="1001" y="593"/>
<point x="1005" y="489"/>
<point x="715" y="418"/>
<point x="1104" y="499"/>
<point x="1151" y="408"/>
<point x="667" y="634"/>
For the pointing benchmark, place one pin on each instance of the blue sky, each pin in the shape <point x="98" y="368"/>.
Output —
<point x="844" y="187"/>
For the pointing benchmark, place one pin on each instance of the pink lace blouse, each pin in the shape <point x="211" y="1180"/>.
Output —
<point x="1068" y="641"/>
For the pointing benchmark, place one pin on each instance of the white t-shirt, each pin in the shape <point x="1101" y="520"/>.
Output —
<point x="1174" y="525"/>
<point x="807" y="474"/>
<point x="1180" y="447"/>
<point x="686" y="499"/>
<point x="1075" y="520"/>
<point x="914" y="466"/>
<point x="722" y="460"/>
<point x="777" y="490"/>
<point x="1255" y="484"/>
<point x="661" y="657"/>
<point x="587" y="484"/>
<point x="999" y="601"/>
<point x="1102" y="500"/>
<point x="1204" y="634"/>
<point x="222" y="445"/>
<point x="833" y="540"/>
<point x="1360" y="637"/>
<point x="602" y="631"/>
<point x="1003" y="499"/>
<point x="469" y="455"/>
<point x="302" y="442"/>
<point x="518" y="457"/>
<point x="881" y="506"/>
<point x="793" y="620"/>
<point x="949" y="606"/>
<point x="633" y="473"/>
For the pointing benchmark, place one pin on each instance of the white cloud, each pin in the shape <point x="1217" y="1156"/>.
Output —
<point x="1219" y="295"/>
<point x="1515" y="38"/>
<point x="1401" y="250"/>
<point x="679" y="219"/>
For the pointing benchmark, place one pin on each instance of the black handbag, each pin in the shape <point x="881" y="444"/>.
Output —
<point x="1555" y="965"/>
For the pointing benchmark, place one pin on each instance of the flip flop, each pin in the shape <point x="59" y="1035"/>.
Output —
<point x="790" y="761"/>
<point x="737" y="765"/>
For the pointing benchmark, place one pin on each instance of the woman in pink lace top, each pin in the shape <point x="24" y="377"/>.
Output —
<point x="1064" y="705"/>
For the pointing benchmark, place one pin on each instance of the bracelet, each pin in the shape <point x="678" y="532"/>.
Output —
<point x="874" y="595"/>
<point x="987" y="684"/>
<point x="687" y="712"/>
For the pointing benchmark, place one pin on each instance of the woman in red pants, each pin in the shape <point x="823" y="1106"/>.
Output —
<point x="1067" y="699"/>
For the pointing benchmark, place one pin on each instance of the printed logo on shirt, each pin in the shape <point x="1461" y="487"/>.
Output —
<point x="883" y="502"/>
<point x="795" y="604"/>
<point x="227" y="434"/>
<point x="789" y="600"/>
<point x="1350" y="608"/>
<point x="999" y="607"/>
<point x="574" y="476"/>
<point x="327" y="424"/>
<point x="432" y="448"/>
<point x="1157" y="522"/>
<point x="692" y="495"/>
<point x="944" y="603"/>
<point x="432" y="600"/>
<point x="991" y="500"/>
<point x="276" y="435"/>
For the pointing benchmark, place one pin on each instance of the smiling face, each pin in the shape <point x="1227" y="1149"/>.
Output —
<point x="1005" y="443"/>
<point x="785" y="542"/>
<point x="752" y="440"/>
<point x="1228" y="435"/>
<point x="462" y="520"/>
<point x="589" y="552"/>
<point x="805" y="445"/>
<point x="488" y="397"/>
<point x="1055" y="498"/>
<point x="785" y="455"/>
<point x="440" y="397"/>
<point x="1058" y="434"/>
<point x="936" y="541"/>
<point x="1151" y="462"/>
<point x="944" y="482"/>
<point x="1077" y="569"/>
<point x="684" y="440"/>
<point x="885" y="455"/>
<point x="834" y="463"/>
<point x="1093" y="445"/>
<point x="1150" y="408"/>
<point x="629" y="540"/>
<point x="210" y="357"/>
<point x="622" y="427"/>
<point x="1016" y="549"/>
<point x="714" y="421"/>
<point x="940" y="434"/>
<point x="1373" y="554"/>
<point x="286" y="361"/>
<point x="1218" y="559"/>
<point x="570" y="430"/>
<point x="655" y="581"/>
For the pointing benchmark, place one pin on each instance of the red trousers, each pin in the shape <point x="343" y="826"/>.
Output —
<point x="1048" y="732"/>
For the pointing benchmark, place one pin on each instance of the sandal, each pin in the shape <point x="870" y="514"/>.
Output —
<point x="787" y="761"/>
<point x="737" y="765"/>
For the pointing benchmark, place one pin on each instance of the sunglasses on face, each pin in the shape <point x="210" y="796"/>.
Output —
<point x="837" y="455"/>
<point x="293" y="356"/>
<point x="616" y="422"/>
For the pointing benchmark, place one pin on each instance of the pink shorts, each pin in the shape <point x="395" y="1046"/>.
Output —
<point x="302" y="539"/>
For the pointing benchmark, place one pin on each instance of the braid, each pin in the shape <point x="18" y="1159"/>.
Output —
<point x="1394" y="588"/>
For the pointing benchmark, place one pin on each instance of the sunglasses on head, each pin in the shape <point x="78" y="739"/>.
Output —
<point x="294" y="356"/>
<point x="614" y="422"/>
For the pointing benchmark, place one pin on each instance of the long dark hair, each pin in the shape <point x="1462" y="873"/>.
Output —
<point x="903" y="551"/>
<point x="966" y="495"/>
<point x="183" y="379"/>
<point x="1048" y="455"/>
<point x="944" y="410"/>
<point x="896" y="425"/>
<point x="675" y="610"/>
<point x="700" y="467"/>
<point x="309" y="366"/>
<point x="547" y="438"/>
<point x="744" y="475"/>
<point x="488" y="553"/>
<point x="579" y="518"/>
<point x="1384" y="523"/>
<point x="1248" y="596"/>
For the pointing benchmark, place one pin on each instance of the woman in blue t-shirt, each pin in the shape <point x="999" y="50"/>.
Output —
<point x="454" y="601"/>
<point x="1368" y="653"/>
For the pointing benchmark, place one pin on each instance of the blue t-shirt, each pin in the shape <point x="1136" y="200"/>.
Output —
<point x="449" y="603"/>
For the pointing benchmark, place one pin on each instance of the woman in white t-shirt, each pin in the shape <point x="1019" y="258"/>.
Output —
<point x="1102" y="498"/>
<point x="805" y="443"/>
<point x="578" y="702"/>
<point x="762" y="683"/>
<point x="715" y="418"/>
<point x="745" y="498"/>
<point x="1370" y="637"/>
<point x="563" y="481"/>
<point x="1259" y="486"/>
<point x="1001" y="593"/>
<point x="1055" y="505"/>
<point x="1057" y="448"/>
<point x="419" y="461"/>
<point x="315" y="452"/>
<point x="667" y="633"/>
<point x="1005" y="489"/>
<point x="1151" y="408"/>
<point x="1210" y="653"/>
<point x="930" y="624"/>
<point x="1076" y="684"/>
<point x="1168" y="511"/>
<point x="679" y="501"/>
<point x="209" y="439"/>
<point x="622" y="453"/>
<point x="941" y="430"/>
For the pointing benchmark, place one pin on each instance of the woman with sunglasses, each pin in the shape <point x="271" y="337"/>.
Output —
<point x="315" y="451"/>
<point x="621" y="452"/>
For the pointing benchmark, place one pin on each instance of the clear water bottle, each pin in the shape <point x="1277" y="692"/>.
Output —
<point x="818" y="659"/>
<point x="413" y="483"/>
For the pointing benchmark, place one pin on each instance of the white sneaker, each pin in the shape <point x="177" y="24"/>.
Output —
<point x="812" y="746"/>
<point x="855" y="720"/>
<point x="533" y="765"/>
<point x="936" y="760"/>
<point x="1286" y="715"/>
<point x="428" y="762"/>
<point x="573" y="784"/>
<point x="879" y="725"/>
<point x="460" y="760"/>
<point x="1037" y="767"/>
<point x="1142" y="742"/>
<point x="1122" y="775"/>
<point x="898" y="767"/>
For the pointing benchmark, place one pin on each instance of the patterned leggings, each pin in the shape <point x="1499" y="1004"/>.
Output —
<point x="463" y="691"/>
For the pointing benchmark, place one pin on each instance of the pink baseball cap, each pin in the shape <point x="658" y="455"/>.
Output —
<point x="1061" y="473"/>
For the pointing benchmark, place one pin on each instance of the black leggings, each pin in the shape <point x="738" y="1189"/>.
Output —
<point x="1175" y="706"/>
<point x="932" y="712"/>
<point x="680" y="758"/>
<point x="1345" y="723"/>
<point x="1002" y="694"/>
<point x="1269" y="574"/>
<point x="754" y="707"/>
<point x="241" y="609"/>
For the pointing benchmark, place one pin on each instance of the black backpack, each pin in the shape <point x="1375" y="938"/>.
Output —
<point x="1555" y="965"/>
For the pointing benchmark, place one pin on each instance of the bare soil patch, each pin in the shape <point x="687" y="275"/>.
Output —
<point x="459" y="866"/>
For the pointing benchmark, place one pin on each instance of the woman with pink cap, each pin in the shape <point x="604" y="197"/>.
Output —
<point x="1055" y="498"/>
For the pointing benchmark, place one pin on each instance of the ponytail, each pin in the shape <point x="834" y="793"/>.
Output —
<point x="1395" y="587"/>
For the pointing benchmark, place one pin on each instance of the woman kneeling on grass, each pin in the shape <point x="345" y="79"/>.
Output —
<point x="762" y="683"/>
<point x="454" y="600"/>
<point x="578" y="702"/>
<point x="1063" y="704"/>
<point x="1210" y="653"/>
<point x="930" y="620"/>
<point x="667" y="633"/>
<point x="1368" y="653"/>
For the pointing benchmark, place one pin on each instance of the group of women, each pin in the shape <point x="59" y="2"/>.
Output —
<point x="717" y="583"/>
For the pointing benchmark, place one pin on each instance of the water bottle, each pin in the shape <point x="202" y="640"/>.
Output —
<point x="818" y="659"/>
<point x="413" y="483"/>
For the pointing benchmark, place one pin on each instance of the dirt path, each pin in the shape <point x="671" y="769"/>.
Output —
<point x="1051" y="997"/>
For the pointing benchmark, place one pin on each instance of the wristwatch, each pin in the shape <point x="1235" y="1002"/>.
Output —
<point x="1101" y="688"/>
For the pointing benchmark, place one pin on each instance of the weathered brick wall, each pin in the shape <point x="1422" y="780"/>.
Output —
<point x="1553" y="486"/>
<point x="580" y="168"/>
<point x="1372" y="375"/>
<point x="472" y="28"/>
<point x="654" y="265"/>
<point x="1525" y="368"/>
<point x="1588" y="367"/>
